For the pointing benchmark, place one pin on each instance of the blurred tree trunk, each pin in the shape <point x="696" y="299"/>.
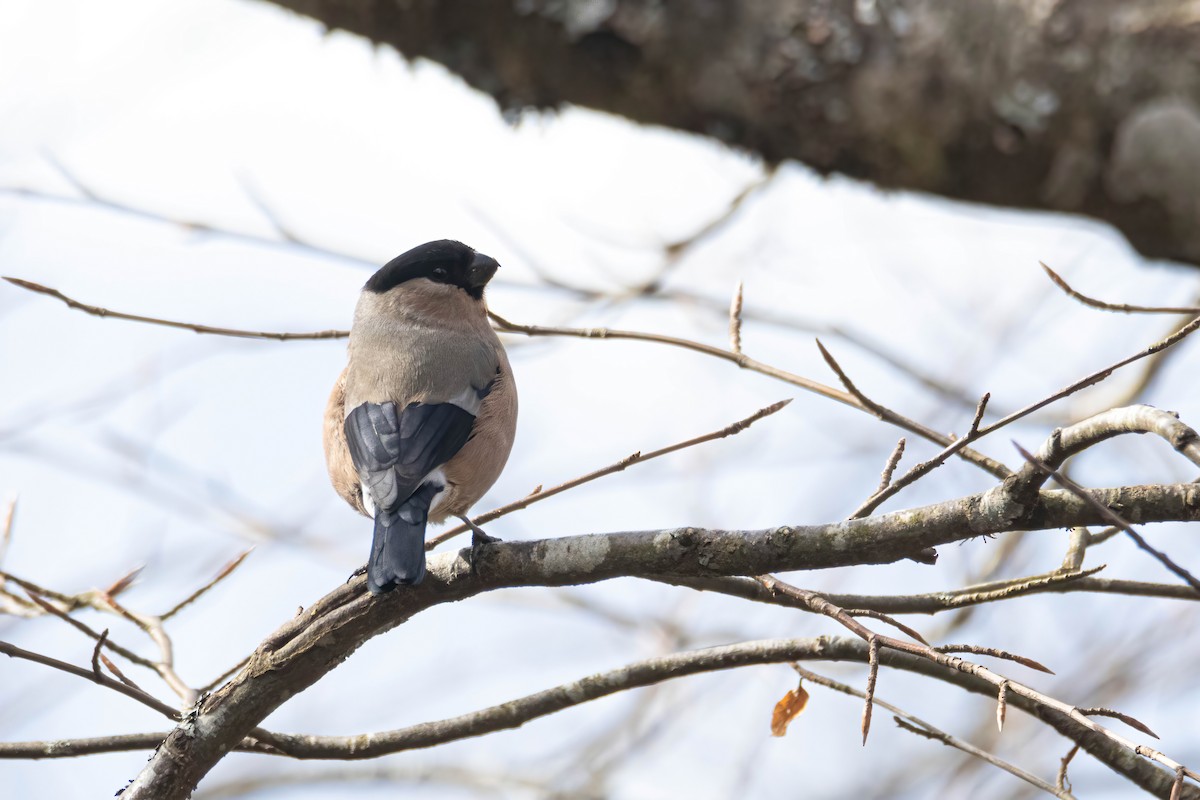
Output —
<point x="1088" y="106"/>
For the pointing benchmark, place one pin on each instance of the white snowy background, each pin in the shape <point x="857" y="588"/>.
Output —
<point x="129" y="444"/>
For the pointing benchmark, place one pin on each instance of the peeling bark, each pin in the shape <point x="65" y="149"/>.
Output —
<point x="1085" y="106"/>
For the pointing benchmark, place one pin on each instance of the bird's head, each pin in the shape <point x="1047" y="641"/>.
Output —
<point x="444" y="261"/>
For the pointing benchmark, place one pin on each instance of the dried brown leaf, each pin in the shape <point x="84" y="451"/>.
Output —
<point x="788" y="709"/>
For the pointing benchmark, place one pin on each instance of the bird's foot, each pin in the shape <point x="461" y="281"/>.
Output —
<point x="360" y="571"/>
<point x="479" y="539"/>
<point x="479" y="536"/>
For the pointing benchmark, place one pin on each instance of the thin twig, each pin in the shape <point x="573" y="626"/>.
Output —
<point x="121" y="676"/>
<point x="1001" y="706"/>
<point x="87" y="630"/>
<point x="1128" y="720"/>
<point x="735" y="320"/>
<point x="165" y="666"/>
<point x="1110" y="516"/>
<point x="223" y="573"/>
<point x="141" y="696"/>
<point x="96" y="652"/>
<point x="923" y="728"/>
<point x="889" y="468"/>
<point x="1124" y="308"/>
<point x="224" y="676"/>
<point x="895" y="623"/>
<point x="540" y="494"/>
<point x="98" y="311"/>
<point x="819" y="604"/>
<point x="975" y="649"/>
<point x="872" y="678"/>
<point x="920" y="470"/>
<point x="979" y="411"/>
<point x="1061" y="781"/>
<point x="1077" y="545"/>
<point x="745" y="362"/>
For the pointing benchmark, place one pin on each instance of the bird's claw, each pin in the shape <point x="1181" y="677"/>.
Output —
<point x="479" y="539"/>
<point x="360" y="571"/>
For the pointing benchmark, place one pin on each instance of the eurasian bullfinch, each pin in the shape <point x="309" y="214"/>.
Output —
<point x="421" y="420"/>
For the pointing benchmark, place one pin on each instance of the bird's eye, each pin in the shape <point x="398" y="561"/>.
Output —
<point x="439" y="272"/>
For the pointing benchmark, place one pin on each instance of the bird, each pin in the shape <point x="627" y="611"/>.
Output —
<point x="421" y="421"/>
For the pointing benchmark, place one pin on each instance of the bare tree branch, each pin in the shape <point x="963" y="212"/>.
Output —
<point x="1114" y="518"/>
<point x="148" y="700"/>
<point x="540" y="494"/>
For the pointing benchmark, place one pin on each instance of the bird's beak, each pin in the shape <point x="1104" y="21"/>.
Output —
<point x="481" y="270"/>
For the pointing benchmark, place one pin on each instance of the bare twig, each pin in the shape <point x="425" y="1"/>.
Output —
<point x="889" y="468"/>
<point x="1061" y="782"/>
<point x="97" y="311"/>
<point x="1111" y="517"/>
<point x="923" y="728"/>
<point x="1128" y="720"/>
<point x="979" y="411"/>
<point x="872" y="677"/>
<point x="141" y="696"/>
<point x="735" y="320"/>
<point x="745" y="362"/>
<point x="165" y="666"/>
<point x="1124" y="308"/>
<point x="224" y="676"/>
<point x="121" y="676"/>
<point x="820" y="604"/>
<point x="936" y="602"/>
<point x="677" y="248"/>
<point x="87" y="630"/>
<point x="223" y="573"/>
<point x="895" y="623"/>
<point x="1001" y="706"/>
<point x="994" y="653"/>
<point x="540" y="494"/>
<point x="1077" y="545"/>
<point x="922" y="469"/>
<point x="991" y="759"/>
<point x="96" y="653"/>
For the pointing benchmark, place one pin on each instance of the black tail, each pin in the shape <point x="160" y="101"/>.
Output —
<point x="398" y="547"/>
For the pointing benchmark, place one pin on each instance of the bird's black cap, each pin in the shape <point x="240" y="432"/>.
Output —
<point x="443" y="261"/>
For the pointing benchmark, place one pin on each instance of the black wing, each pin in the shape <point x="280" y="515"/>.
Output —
<point x="394" y="450"/>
